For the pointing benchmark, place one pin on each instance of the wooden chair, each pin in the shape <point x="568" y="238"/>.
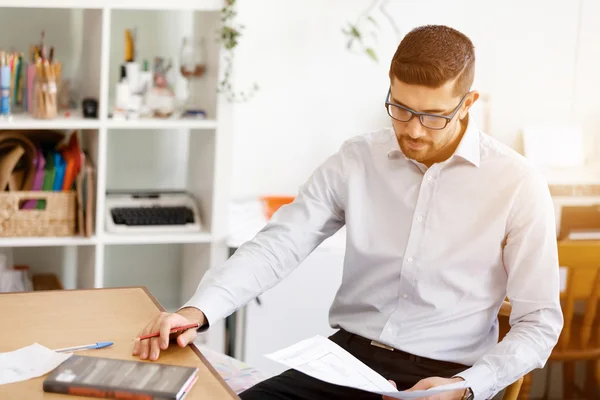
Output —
<point x="580" y="337"/>
<point x="511" y="392"/>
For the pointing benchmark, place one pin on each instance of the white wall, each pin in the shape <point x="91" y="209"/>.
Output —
<point x="314" y="94"/>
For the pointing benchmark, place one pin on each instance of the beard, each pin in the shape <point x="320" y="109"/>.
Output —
<point x="418" y="150"/>
<point x="425" y="150"/>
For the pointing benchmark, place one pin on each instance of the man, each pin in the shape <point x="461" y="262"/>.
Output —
<point x="443" y="222"/>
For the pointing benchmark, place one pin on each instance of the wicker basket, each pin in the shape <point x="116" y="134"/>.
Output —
<point x="57" y="219"/>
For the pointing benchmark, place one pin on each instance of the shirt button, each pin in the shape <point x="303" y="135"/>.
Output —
<point x="420" y="218"/>
<point x="389" y="330"/>
<point x="429" y="177"/>
<point x="409" y="259"/>
<point x="405" y="296"/>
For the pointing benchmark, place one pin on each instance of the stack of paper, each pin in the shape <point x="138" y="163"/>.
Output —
<point x="322" y="359"/>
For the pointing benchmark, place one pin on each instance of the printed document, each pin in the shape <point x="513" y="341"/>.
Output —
<point x="29" y="362"/>
<point x="322" y="359"/>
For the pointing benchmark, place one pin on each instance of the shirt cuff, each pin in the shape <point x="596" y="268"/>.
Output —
<point x="211" y="304"/>
<point x="481" y="380"/>
<point x="206" y="323"/>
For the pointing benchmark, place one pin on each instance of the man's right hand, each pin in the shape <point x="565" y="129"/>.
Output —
<point x="163" y="323"/>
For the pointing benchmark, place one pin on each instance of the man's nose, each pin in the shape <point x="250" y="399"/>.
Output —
<point x="414" y="128"/>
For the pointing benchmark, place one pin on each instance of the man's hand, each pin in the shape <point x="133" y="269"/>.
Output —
<point x="429" y="383"/>
<point x="163" y="323"/>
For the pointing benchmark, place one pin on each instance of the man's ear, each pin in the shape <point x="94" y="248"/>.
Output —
<point x="469" y="101"/>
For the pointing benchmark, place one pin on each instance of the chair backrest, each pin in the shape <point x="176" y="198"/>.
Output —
<point x="582" y="261"/>
<point x="578" y="218"/>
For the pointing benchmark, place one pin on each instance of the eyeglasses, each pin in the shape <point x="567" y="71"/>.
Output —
<point x="429" y="121"/>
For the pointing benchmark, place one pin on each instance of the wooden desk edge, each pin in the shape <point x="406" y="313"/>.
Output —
<point x="194" y="348"/>
<point x="160" y="308"/>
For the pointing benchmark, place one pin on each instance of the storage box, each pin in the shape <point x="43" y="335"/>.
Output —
<point x="57" y="218"/>
<point x="46" y="282"/>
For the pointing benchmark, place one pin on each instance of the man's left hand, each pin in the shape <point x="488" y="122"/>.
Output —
<point x="429" y="383"/>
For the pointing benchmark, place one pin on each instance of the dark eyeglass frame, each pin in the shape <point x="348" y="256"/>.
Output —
<point x="414" y="113"/>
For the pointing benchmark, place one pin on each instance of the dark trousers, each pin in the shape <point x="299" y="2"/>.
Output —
<point x="403" y="368"/>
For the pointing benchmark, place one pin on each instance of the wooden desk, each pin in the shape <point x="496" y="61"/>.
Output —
<point x="65" y="318"/>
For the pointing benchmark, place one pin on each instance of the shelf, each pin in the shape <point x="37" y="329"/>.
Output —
<point x="146" y="153"/>
<point x="157" y="123"/>
<point x="26" y="121"/>
<point x="205" y="5"/>
<point x="47" y="241"/>
<point x="164" y="238"/>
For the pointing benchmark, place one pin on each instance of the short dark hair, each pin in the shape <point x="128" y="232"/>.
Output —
<point x="432" y="55"/>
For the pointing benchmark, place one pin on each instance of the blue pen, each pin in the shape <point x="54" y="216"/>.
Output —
<point x="99" y="345"/>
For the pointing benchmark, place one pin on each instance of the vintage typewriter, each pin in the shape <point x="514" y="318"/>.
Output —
<point x="151" y="212"/>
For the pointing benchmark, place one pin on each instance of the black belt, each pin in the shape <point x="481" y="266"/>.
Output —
<point x="402" y="354"/>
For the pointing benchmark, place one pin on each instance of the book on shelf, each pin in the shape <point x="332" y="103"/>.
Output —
<point x="120" y="379"/>
<point x="85" y="187"/>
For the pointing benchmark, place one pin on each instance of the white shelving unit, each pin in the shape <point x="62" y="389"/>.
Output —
<point x="155" y="154"/>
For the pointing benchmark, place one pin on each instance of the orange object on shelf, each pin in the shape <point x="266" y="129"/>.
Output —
<point x="272" y="203"/>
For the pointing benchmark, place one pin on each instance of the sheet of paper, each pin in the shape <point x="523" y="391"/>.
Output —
<point x="28" y="362"/>
<point x="322" y="359"/>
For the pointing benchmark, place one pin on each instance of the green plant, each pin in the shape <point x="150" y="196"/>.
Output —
<point x="365" y="27"/>
<point x="229" y="35"/>
<point x="355" y="37"/>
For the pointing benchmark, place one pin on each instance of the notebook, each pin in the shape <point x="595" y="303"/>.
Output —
<point x="39" y="163"/>
<point x="59" y="176"/>
<point x="89" y="194"/>
<point x="120" y="379"/>
<point x="72" y="155"/>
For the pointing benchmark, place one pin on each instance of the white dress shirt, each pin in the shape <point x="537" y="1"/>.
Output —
<point x="431" y="253"/>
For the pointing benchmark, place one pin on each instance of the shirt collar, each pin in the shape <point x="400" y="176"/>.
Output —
<point x="394" y="152"/>
<point x="468" y="148"/>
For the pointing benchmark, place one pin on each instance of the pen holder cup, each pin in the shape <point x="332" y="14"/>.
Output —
<point x="37" y="213"/>
<point x="44" y="95"/>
